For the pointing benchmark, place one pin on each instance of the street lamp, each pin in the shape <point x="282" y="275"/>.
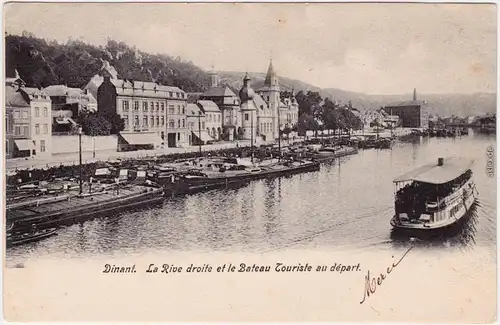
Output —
<point x="80" y="157"/>
<point x="93" y="152"/>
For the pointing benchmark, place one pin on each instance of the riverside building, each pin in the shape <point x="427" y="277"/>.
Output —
<point x="154" y="115"/>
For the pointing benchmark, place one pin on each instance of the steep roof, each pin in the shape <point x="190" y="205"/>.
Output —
<point x="62" y="91"/>
<point x="15" y="98"/>
<point x="209" y="106"/>
<point x="259" y="101"/>
<point x="193" y="110"/>
<point x="221" y="91"/>
<point x="129" y="87"/>
<point x="271" y="77"/>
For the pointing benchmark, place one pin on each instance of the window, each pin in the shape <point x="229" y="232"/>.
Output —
<point x="26" y="130"/>
<point x="152" y="121"/>
<point x="171" y="123"/>
<point x="246" y="117"/>
<point x="42" y="145"/>
<point x="136" y="105"/>
<point x="25" y="115"/>
<point x="162" y="121"/>
<point x="37" y="128"/>
<point x="157" y="106"/>
<point x="178" y="136"/>
<point x="17" y="114"/>
<point x="171" y="109"/>
<point x="125" y="121"/>
<point x="45" y="129"/>
<point x="136" y="120"/>
<point x="145" y="121"/>
<point x="45" y="112"/>
<point x="125" y="105"/>
<point x="37" y="111"/>
<point x="178" y="95"/>
<point x="183" y="123"/>
<point x="162" y="107"/>
<point x="171" y="94"/>
<point x="178" y="109"/>
<point x="218" y="117"/>
<point x="152" y="106"/>
<point x="178" y="123"/>
<point x="182" y="95"/>
<point x="183" y="110"/>
<point x="157" y="121"/>
<point x="145" y="106"/>
<point x="17" y="130"/>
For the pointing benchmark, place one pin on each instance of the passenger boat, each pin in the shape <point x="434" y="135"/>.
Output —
<point x="434" y="196"/>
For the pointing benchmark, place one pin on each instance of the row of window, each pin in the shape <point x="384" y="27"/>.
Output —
<point x="24" y="114"/>
<point x="45" y="128"/>
<point x="194" y="126"/>
<point x="266" y="127"/>
<point x="153" y="106"/>
<point x="213" y="117"/>
<point x="152" y="120"/>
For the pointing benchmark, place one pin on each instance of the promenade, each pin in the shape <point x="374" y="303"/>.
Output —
<point x="108" y="155"/>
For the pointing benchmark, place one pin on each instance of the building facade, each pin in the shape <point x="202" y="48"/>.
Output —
<point x="413" y="114"/>
<point x="213" y="118"/>
<point x="28" y="121"/>
<point x="229" y="105"/>
<point x="196" y="122"/>
<point x="154" y="115"/>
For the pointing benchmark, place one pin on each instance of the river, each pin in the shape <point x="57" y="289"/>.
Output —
<point x="346" y="205"/>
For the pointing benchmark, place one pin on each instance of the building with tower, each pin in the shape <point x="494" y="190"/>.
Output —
<point x="270" y="112"/>
<point x="412" y="114"/>
<point x="248" y="111"/>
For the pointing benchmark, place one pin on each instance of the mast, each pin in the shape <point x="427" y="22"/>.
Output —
<point x="199" y="131"/>
<point x="80" y="157"/>
<point x="251" y="136"/>
<point x="279" y="135"/>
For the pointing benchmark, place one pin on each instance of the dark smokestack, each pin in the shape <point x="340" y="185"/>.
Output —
<point x="414" y="94"/>
<point x="440" y="161"/>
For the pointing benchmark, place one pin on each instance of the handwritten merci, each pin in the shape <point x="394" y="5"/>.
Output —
<point x="371" y="283"/>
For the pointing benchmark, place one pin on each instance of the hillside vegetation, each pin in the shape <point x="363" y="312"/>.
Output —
<point x="41" y="63"/>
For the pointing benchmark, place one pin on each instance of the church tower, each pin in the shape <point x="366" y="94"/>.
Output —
<point x="214" y="78"/>
<point x="271" y="94"/>
<point x="248" y="110"/>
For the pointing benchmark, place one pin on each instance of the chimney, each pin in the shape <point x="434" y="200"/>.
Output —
<point x="414" y="94"/>
<point x="440" y="161"/>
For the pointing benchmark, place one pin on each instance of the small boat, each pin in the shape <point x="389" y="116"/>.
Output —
<point x="25" y="238"/>
<point x="434" y="196"/>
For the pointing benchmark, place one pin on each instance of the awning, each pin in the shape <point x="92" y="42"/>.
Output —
<point x="142" y="138"/>
<point x="24" y="144"/>
<point x="204" y="135"/>
<point x="65" y="120"/>
<point x="434" y="174"/>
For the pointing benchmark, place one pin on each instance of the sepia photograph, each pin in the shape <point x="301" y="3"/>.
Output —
<point x="230" y="162"/>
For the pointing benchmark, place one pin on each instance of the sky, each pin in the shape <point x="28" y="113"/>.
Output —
<point x="370" y="48"/>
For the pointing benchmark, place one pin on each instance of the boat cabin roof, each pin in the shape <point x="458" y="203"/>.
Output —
<point x="435" y="173"/>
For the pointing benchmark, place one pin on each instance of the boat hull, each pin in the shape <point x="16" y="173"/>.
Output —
<point x="88" y="212"/>
<point x="463" y="206"/>
<point x="19" y="240"/>
<point x="205" y="184"/>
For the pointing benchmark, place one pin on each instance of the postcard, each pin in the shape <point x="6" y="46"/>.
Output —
<point x="262" y="162"/>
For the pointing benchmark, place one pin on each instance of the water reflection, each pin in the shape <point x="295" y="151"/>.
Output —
<point x="460" y="235"/>
<point x="347" y="204"/>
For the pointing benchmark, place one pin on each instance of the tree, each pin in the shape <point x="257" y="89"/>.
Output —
<point x="93" y="124"/>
